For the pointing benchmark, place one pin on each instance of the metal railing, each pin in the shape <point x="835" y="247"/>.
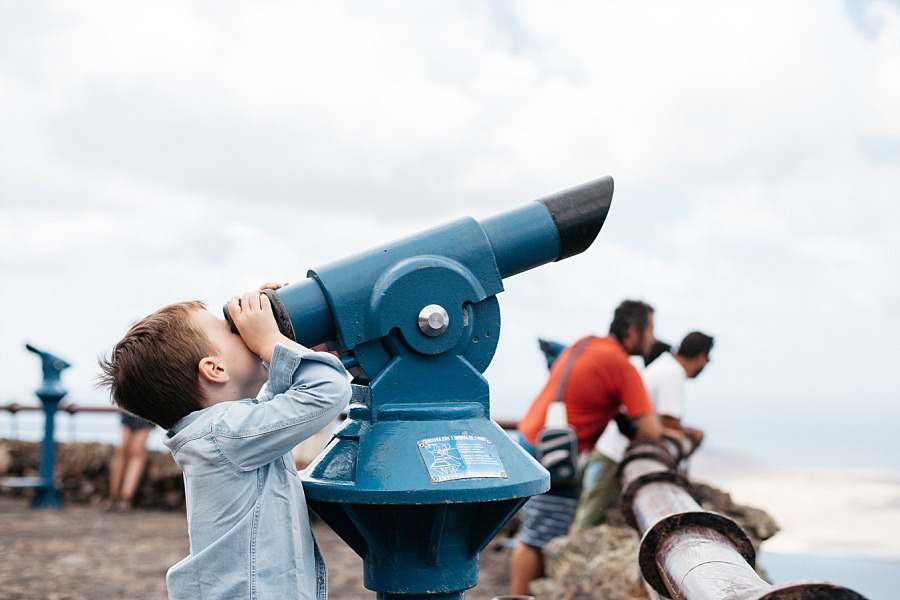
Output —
<point x="690" y="553"/>
<point x="14" y="408"/>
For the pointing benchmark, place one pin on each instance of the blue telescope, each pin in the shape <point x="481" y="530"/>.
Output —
<point x="551" y="350"/>
<point x="50" y="394"/>
<point x="419" y="479"/>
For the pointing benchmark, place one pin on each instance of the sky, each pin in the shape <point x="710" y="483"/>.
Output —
<point x="152" y="152"/>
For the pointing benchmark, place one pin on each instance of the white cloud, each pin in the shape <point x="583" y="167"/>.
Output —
<point x="158" y="150"/>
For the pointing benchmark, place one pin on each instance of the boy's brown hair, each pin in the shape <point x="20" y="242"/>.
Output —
<point x="153" y="370"/>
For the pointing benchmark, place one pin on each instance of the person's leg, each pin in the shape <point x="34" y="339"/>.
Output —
<point x="136" y="460"/>
<point x="541" y="519"/>
<point x="526" y="565"/>
<point x="601" y="492"/>
<point x="117" y="465"/>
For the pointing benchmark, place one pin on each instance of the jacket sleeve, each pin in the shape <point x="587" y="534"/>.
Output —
<point x="305" y="392"/>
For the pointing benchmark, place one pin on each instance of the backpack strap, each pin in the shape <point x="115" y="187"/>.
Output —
<point x="565" y="376"/>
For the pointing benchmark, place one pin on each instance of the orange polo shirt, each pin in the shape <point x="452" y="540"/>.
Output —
<point x="601" y="380"/>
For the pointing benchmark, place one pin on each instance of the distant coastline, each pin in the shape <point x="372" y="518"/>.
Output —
<point x="822" y="511"/>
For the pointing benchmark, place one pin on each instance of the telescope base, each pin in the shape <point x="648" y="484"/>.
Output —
<point x="438" y="596"/>
<point x="47" y="499"/>
<point x="45" y="496"/>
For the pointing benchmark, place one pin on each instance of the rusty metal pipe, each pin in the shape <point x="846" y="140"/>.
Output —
<point x="16" y="407"/>
<point x="697" y="562"/>
<point x="74" y="408"/>
<point x="807" y="591"/>
<point x="634" y="469"/>
<point x="683" y="447"/>
<point x="660" y="500"/>
<point x="689" y="553"/>
<point x="650" y="451"/>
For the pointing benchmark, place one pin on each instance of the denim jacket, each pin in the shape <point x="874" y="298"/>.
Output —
<point x="249" y="530"/>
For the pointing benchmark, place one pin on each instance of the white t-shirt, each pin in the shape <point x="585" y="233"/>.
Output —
<point x="612" y="444"/>
<point x="664" y="380"/>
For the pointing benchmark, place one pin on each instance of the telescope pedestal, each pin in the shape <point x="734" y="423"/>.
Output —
<point x="419" y="498"/>
<point x="50" y="393"/>
<point x="419" y="479"/>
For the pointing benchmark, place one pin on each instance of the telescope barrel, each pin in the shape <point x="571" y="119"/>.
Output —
<point x="419" y="458"/>
<point x="307" y="306"/>
<point x="308" y="309"/>
<point x="547" y="230"/>
<point x="551" y="229"/>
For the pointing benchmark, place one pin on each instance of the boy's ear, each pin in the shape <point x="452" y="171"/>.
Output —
<point x="213" y="370"/>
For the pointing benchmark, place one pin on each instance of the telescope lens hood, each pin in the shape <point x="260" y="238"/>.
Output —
<point x="579" y="213"/>
<point x="281" y="315"/>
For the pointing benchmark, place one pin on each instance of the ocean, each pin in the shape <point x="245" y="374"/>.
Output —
<point x="875" y="580"/>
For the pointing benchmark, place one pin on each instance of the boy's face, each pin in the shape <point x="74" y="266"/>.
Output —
<point x="245" y="369"/>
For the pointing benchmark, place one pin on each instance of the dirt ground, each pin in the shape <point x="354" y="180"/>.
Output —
<point x="83" y="552"/>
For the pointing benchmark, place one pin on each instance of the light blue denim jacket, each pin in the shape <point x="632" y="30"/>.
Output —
<point x="249" y="529"/>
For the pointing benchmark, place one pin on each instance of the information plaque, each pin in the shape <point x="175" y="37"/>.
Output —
<point x="463" y="456"/>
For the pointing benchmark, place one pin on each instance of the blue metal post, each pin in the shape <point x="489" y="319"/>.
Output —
<point x="50" y="393"/>
<point x="551" y="351"/>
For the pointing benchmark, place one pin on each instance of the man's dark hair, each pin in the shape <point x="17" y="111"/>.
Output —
<point x="694" y="344"/>
<point x="656" y="350"/>
<point x="630" y="312"/>
<point x="152" y="372"/>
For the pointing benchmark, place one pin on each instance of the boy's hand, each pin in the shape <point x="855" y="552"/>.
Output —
<point x="272" y="285"/>
<point x="252" y="315"/>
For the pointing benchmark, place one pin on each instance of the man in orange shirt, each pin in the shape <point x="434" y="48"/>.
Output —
<point x="598" y="382"/>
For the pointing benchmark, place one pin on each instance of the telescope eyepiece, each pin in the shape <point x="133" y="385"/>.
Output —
<point x="281" y="315"/>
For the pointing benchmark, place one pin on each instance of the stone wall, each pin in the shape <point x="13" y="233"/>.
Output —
<point x="82" y="473"/>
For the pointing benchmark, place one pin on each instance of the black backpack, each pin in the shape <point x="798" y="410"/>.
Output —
<point x="557" y="447"/>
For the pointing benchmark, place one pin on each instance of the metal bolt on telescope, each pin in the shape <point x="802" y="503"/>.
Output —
<point x="419" y="479"/>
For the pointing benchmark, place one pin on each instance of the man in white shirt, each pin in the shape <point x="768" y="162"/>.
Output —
<point x="664" y="379"/>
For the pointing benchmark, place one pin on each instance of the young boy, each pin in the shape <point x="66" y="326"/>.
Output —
<point x="183" y="369"/>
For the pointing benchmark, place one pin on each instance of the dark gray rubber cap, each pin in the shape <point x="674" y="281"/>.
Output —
<point x="579" y="213"/>
<point x="281" y="315"/>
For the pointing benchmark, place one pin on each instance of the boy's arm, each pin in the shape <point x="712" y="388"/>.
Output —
<point x="310" y="390"/>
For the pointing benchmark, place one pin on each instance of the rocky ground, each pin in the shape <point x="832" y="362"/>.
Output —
<point x="84" y="552"/>
<point x="82" y="473"/>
